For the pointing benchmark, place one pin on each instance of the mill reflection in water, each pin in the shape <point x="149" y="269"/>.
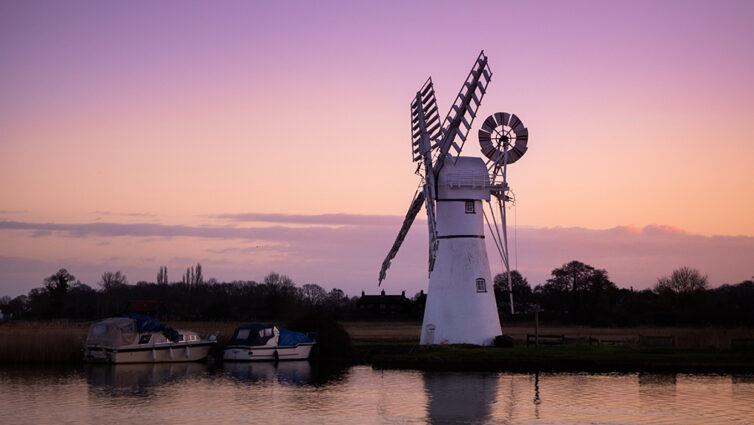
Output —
<point x="460" y="397"/>
<point x="303" y="392"/>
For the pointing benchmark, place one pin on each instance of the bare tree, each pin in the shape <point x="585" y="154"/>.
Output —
<point x="162" y="276"/>
<point x="110" y="280"/>
<point x="684" y="280"/>
<point x="193" y="275"/>
<point x="278" y="282"/>
<point x="313" y="293"/>
<point x="198" y="278"/>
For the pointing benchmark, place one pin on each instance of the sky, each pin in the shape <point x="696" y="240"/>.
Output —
<point x="274" y="136"/>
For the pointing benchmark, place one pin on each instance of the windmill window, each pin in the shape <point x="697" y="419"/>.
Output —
<point x="470" y="207"/>
<point x="481" y="285"/>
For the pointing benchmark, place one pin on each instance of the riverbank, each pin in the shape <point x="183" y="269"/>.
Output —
<point x="394" y="345"/>
<point x="573" y="358"/>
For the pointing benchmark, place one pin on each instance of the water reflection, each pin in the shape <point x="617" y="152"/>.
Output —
<point x="292" y="372"/>
<point x="138" y="380"/>
<point x="303" y="393"/>
<point x="657" y="388"/>
<point x="537" y="399"/>
<point x="460" y="397"/>
<point x="742" y="379"/>
<point x="657" y="379"/>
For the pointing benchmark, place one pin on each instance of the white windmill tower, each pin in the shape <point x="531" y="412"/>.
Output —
<point x="461" y="305"/>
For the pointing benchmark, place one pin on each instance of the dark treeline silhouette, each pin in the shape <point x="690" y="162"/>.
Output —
<point x="576" y="293"/>
<point x="193" y="298"/>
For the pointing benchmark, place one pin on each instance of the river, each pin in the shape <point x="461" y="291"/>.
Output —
<point x="303" y="393"/>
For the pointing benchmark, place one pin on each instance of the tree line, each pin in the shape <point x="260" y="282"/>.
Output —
<point x="191" y="298"/>
<point x="576" y="293"/>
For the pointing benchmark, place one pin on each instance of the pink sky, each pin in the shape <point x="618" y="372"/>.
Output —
<point x="130" y="134"/>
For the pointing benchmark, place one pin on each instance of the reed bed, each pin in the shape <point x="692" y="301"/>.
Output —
<point x="59" y="342"/>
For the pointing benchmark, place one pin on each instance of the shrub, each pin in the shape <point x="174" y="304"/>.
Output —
<point x="333" y="341"/>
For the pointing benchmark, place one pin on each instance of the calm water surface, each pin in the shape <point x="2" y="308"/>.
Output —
<point x="302" y="393"/>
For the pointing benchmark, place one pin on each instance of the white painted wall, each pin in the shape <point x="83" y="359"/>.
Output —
<point x="455" y="311"/>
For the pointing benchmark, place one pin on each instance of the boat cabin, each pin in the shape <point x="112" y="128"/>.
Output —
<point x="255" y="334"/>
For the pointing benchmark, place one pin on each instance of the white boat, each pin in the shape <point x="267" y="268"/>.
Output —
<point x="253" y="342"/>
<point x="142" y="339"/>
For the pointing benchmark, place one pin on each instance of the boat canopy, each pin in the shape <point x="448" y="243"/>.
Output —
<point x="113" y="332"/>
<point x="120" y="331"/>
<point x="291" y="338"/>
<point x="150" y="324"/>
<point x="253" y="334"/>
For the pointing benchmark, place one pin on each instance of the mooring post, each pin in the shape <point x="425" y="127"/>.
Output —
<point x="536" y="327"/>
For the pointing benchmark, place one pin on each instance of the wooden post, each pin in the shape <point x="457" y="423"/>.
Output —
<point x="536" y="326"/>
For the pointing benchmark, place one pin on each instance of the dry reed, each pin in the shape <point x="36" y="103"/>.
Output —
<point x="58" y="342"/>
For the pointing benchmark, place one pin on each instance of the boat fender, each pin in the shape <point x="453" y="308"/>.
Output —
<point x="154" y="355"/>
<point x="188" y="352"/>
<point x="170" y="352"/>
<point x="276" y="356"/>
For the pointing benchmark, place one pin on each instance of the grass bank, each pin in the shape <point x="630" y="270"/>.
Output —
<point x="566" y="358"/>
<point x="694" y="338"/>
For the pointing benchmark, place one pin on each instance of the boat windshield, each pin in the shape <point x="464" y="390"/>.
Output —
<point x="252" y="335"/>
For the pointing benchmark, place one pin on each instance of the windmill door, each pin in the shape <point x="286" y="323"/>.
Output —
<point x="429" y="334"/>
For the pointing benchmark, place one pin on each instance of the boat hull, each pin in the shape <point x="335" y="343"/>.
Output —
<point x="158" y="354"/>
<point x="267" y="353"/>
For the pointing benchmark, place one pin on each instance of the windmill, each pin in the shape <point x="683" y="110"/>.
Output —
<point x="460" y="304"/>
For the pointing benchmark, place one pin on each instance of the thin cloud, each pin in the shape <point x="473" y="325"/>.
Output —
<point x="321" y="219"/>
<point x="273" y="233"/>
<point x="349" y="257"/>
<point x="110" y="213"/>
<point x="250" y="249"/>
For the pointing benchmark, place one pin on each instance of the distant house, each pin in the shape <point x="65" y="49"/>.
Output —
<point x="384" y="304"/>
<point x="149" y="307"/>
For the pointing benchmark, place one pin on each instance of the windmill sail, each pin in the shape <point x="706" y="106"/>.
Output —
<point x="463" y="111"/>
<point x="425" y="121"/>
<point x="425" y="124"/>
<point x="431" y="139"/>
<point x="416" y="206"/>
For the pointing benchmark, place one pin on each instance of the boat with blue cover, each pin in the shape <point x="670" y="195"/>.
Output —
<point x="136" y="338"/>
<point x="265" y="342"/>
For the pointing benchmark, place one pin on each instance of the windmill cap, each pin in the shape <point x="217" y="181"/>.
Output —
<point x="463" y="179"/>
